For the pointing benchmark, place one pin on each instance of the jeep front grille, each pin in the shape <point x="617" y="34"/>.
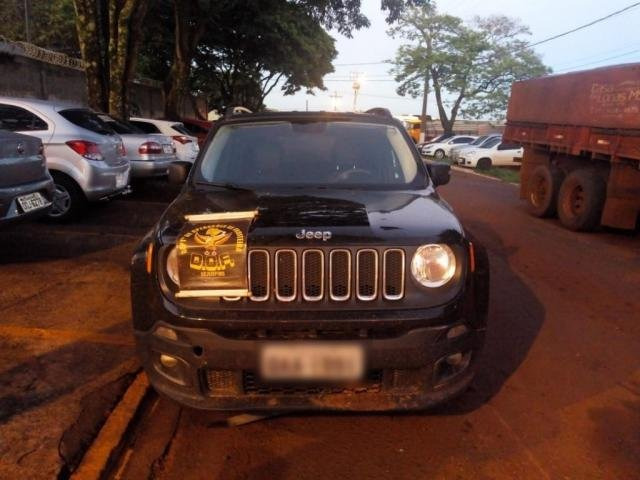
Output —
<point x="338" y="275"/>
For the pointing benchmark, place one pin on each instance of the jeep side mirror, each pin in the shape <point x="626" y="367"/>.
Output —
<point x="178" y="172"/>
<point x="440" y="173"/>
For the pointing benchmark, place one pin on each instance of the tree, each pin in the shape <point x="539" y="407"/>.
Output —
<point x="271" y="43"/>
<point x="51" y="24"/>
<point x="191" y="16"/>
<point x="470" y="67"/>
<point x="109" y="36"/>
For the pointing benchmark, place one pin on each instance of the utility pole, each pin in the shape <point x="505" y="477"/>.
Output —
<point x="335" y="97"/>
<point x="423" y="116"/>
<point x="356" y="77"/>
<point x="27" y="14"/>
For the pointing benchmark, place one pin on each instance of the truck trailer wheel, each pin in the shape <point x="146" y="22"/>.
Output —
<point x="542" y="190"/>
<point x="581" y="200"/>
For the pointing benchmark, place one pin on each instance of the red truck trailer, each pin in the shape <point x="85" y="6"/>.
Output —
<point x="581" y="137"/>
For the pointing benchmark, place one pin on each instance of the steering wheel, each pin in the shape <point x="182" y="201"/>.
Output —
<point x="358" y="173"/>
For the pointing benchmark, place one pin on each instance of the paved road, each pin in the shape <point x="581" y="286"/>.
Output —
<point x="66" y="347"/>
<point x="557" y="395"/>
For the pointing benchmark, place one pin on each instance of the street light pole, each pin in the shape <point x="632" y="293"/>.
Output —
<point x="335" y="99"/>
<point x="356" y="88"/>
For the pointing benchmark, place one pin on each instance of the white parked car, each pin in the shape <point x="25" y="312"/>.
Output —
<point x="441" y="149"/>
<point x="456" y="152"/>
<point x="186" y="144"/>
<point x="493" y="153"/>
<point x="84" y="155"/>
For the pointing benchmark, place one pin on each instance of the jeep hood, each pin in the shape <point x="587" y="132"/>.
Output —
<point x="354" y="217"/>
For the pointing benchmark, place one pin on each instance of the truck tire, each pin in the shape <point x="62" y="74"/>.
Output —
<point x="484" y="164"/>
<point x="542" y="190"/>
<point x="68" y="199"/>
<point x="581" y="200"/>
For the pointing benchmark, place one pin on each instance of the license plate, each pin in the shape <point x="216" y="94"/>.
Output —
<point x="309" y="361"/>
<point x="167" y="149"/>
<point x="31" y="202"/>
<point x="121" y="179"/>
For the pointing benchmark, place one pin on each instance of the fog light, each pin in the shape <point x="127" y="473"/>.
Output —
<point x="456" y="331"/>
<point x="454" y="359"/>
<point x="166" y="332"/>
<point x="168" y="361"/>
<point x="451" y="366"/>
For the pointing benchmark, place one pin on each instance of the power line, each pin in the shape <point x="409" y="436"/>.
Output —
<point x="389" y="97"/>
<point x="582" y="27"/>
<point x="366" y="80"/>
<point x="594" y="56"/>
<point x="360" y="63"/>
<point x="598" y="61"/>
<point x="539" y="42"/>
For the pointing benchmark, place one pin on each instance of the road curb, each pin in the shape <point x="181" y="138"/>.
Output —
<point x="471" y="172"/>
<point x="111" y="435"/>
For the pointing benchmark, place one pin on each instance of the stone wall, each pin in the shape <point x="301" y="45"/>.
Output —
<point x="30" y="71"/>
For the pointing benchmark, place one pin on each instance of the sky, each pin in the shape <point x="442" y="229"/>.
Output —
<point x="614" y="41"/>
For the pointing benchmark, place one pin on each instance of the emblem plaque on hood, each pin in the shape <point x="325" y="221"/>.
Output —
<point x="313" y="234"/>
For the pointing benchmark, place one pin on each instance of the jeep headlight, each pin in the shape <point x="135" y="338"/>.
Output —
<point x="433" y="265"/>
<point x="172" y="266"/>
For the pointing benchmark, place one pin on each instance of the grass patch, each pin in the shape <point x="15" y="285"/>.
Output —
<point x="506" y="174"/>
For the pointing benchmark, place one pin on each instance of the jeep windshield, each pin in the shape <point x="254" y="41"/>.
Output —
<point x="331" y="154"/>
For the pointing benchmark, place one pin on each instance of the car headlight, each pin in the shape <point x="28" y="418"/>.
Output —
<point x="433" y="265"/>
<point x="172" y="266"/>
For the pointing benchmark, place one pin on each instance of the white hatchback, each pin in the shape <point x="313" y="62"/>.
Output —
<point x="443" y="148"/>
<point x="186" y="145"/>
<point x="493" y="153"/>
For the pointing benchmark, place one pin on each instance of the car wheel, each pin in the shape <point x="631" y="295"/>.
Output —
<point x="542" y="190"/>
<point x="581" y="200"/>
<point x="439" y="154"/>
<point x="484" y="164"/>
<point x="68" y="199"/>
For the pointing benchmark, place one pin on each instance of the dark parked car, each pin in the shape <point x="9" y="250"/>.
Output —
<point x="309" y="263"/>
<point x="198" y="128"/>
<point x="26" y="188"/>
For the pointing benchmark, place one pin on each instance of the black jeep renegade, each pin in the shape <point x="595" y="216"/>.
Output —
<point x="309" y="263"/>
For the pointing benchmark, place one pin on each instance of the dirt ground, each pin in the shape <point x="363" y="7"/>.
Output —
<point x="557" y="394"/>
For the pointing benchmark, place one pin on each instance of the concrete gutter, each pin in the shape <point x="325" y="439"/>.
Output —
<point x="112" y="435"/>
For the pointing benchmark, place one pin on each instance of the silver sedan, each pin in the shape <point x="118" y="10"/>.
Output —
<point x="150" y="155"/>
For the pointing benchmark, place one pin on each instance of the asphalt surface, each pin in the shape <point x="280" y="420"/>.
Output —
<point x="66" y="346"/>
<point x="557" y="394"/>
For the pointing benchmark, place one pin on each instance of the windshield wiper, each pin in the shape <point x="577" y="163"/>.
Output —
<point x="226" y="185"/>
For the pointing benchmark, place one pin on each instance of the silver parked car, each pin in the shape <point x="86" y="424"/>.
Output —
<point x="26" y="188"/>
<point x="455" y="152"/>
<point x="85" y="156"/>
<point x="150" y="155"/>
<point x="186" y="144"/>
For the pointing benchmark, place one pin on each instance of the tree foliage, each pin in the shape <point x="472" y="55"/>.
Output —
<point x="271" y="43"/>
<point x="51" y="24"/>
<point x="469" y="66"/>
